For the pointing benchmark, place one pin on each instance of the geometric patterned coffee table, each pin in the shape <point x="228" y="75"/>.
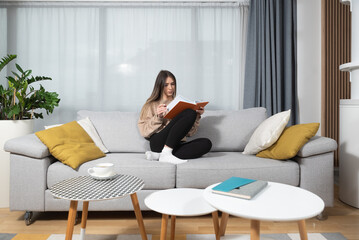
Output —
<point x="86" y="189"/>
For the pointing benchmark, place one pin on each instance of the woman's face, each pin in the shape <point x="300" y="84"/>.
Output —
<point x="169" y="88"/>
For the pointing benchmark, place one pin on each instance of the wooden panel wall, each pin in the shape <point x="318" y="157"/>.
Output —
<point x="336" y="42"/>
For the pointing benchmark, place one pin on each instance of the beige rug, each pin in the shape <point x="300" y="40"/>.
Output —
<point x="294" y="236"/>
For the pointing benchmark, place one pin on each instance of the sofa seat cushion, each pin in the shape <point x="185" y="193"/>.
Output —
<point x="156" y="175"/>
<point x="218" y="166"/>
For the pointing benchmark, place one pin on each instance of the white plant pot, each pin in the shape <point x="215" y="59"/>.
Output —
<point x="10" y="129"/>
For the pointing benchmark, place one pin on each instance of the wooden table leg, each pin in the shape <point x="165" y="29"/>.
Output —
<point x="164" y="227"/>
<point x="255" y="229"/>
<point x="136" y="207"/>
<point x="85" y="208"/>
<point x="71" y="220"/>
<point x="224" y="220"/>
<point x="216" y="224"/>
<point x="302" y="230"/>
<point x="173" y="227"/>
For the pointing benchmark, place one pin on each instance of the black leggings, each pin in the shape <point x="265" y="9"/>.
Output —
<point x="175" y="131"/>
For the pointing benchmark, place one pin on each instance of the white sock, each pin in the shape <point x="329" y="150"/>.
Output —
<point x="152" y="155"/>
<point x="167" y="156"/>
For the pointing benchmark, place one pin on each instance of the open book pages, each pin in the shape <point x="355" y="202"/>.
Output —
<point x="180" y="103"/>
<point x="177" y="99"/>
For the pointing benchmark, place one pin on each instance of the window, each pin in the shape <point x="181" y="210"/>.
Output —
<point x="105" y="57"/>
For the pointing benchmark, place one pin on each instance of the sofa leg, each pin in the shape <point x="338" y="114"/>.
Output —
<point x="28" y="217"/>
<point x="322" y="216"/>
<point x="77" y="219"/>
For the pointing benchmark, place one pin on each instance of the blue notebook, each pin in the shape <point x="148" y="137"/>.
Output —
<point x="247" y="191"/>
<point x="232" y="183"/>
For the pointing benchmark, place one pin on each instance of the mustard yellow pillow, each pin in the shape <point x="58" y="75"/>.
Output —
<point x="290" y="142"/>
<point x="70" y="144"/>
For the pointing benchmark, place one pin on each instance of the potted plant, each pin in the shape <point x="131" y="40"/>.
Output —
<point x="20" y="100"/>
<point x="18" y="103"/>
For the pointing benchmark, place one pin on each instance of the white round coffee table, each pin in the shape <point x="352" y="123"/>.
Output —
<point x="180" y="202"/>
<point x="277" y="202"/>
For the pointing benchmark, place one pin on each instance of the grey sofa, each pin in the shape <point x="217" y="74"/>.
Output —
<point x="34" y="170"/>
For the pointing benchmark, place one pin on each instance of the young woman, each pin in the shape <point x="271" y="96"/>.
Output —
<point x="167" y="137"/>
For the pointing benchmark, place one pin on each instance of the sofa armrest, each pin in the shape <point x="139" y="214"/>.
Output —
<point x="317" y="145"/>
<point x="317" y="175"/>
<point x="28" y="145"/>
<point x="28" y="182"/>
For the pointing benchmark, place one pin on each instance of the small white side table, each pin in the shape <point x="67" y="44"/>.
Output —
<point x="277" y="202"/>
<point x="180" y="202"/>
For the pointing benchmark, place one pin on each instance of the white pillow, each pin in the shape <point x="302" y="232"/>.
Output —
<point x="87" y="125"/>
<point x="51" y="126"/>
<point x="267" y="133"/>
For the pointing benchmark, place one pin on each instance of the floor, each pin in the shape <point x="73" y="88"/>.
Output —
<point x="341" y="218"/>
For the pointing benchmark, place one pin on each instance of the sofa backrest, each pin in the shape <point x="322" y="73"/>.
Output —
<point x="228" y="130"/>
<point x="117" y="130"/>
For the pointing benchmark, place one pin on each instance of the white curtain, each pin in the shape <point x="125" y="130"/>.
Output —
<point x="106" y="57"/>
<point x="3" y="40"/>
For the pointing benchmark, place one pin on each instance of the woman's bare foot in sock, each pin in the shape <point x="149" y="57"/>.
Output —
<point x="168" y="157"/>
<point x="152" y="155"/>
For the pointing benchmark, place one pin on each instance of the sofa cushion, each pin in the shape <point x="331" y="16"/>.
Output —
<point x="216" y="167"/>
<point x="156" y="175"/>
<point x="290" y="142"/>
<point x="118" y="130"/>
<point x="70" y="144"/>
<point x="267" y="133"/>
<point x="87" y="125"/>
<point x="230" y="130"/>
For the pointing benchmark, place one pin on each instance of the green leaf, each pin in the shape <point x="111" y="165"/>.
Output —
<point x="17" y="75"/>
<point x="5" y="60"/>
<point x="11" y="79"/>
<point x="11" y="82"/>
<point x="14" y="110"/>
<point x="37" y="79"/>
<point x="27" y="73"/>
<point x="19" y="68"/>
<point x="38" y="115"/>
<point x="24" y="88"/>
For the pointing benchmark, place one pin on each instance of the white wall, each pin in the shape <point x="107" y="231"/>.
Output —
<point x="309" y="60"/>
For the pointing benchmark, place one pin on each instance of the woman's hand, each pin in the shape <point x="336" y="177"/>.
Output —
<point x="161" y="110"/>
<point x="200" y="111"/>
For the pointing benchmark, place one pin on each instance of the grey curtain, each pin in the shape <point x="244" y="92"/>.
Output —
<point x="271" y="58"/>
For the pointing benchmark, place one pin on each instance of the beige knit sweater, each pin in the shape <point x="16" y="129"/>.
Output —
<point x="150" y="123"/>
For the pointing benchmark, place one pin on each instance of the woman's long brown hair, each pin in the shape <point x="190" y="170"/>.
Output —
<point x="158" y="88"/>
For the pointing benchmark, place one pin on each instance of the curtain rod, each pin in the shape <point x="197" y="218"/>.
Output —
<point x="94" y="3"/>
<point x="48" y="3"/>
<point x="101" y="1"/>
